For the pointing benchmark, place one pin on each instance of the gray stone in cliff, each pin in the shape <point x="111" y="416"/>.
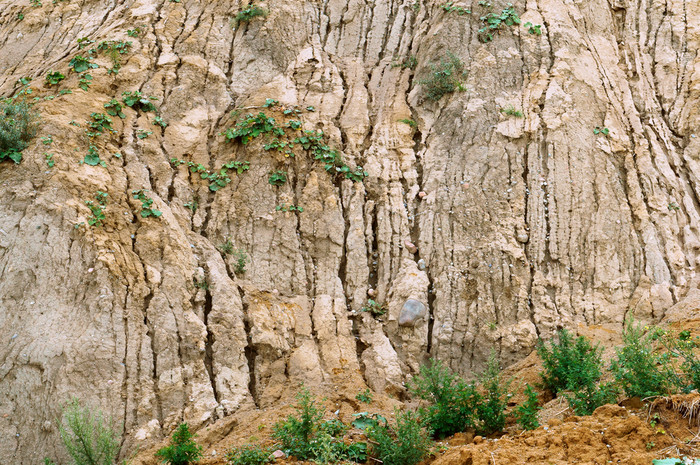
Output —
<point x="412" y="311"/>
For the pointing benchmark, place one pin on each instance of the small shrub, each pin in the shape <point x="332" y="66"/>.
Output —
<point x="407" y="443"/>
<point x="682" y="347"/>
<point x="451" y="401"/>
<point x="278" y="178"/>
<point x="374" y="307"/>
<point x="241" y="258"/>
<point x="89" y="438"/>
<point x="569" y="364"/>
<point x="18" y="126"/>
<point x="183" y="450"/>
<point x="445" y="78"/>
<point x="491" y="406"/>
<point x="639" y="368"/>
<point x="586" y="399"/>
<point x="248" y="13"/>
<point x="146" y="204"/>
<point x="297" y="431"/>
<point x="248" y="455"/>
<point x="364" y="396"/>
<point x="54" y="78"/>
<point x="526" y="413"/>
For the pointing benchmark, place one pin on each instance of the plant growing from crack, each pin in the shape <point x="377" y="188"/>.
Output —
<point x="374" y="308"/>
<point x="535" y="29"/>
<point x="114" y="108"/>
<point x="511" y="111"/>
<point x="492" y="22"/>
<point x="289" y="208"/>
<point x="451" y="8"/>
<point x="97" y="209"/>
<point x="146" y="204"/>
<point x="80" y="64"/>
<point x="445" y="77"/>
<point x="601" y="130"/>
<point x="114" y="49"/>
<point x="239" y="255"/>
<point x="217" y="179"/>
<point x="278" y="178"/>
<point x="248" y="13"/>
<point x="408" y="62"/>
<point x="138" y="101"/>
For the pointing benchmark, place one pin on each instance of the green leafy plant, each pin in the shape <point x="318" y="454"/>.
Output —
<point x="47" y="140"/>
<point x="408" y="121"/>
<point x="511" y="111"/>
<point x="133" y="32"/>
<point x="451" y="401"/>
<point x="49" y="160"/>
<point x="450" y="8"/>
<point x="682" y="346"/>
<point x="183" y="450"/>
<point x="84" y="42"/>
<point x="84" y="81"/>
<point x="248" y="13"/>
<point x="491" y="407"/>
<point x="93" y="156"/>
<point x="640" y="369"/>
<point x="18" y="126"/>
<point x="374" y="307"/>
<point x="585" y="399"/>
<point x="114" y="108"/>
<point x="289" y="208"/>
<point x="97" y="209"/>
<point x="535" y="29"/>
<point x="408" y="62"/>
<point x="569" y="364"/>
<point x="89" y="438"/>
<point x="114" y="49"/>
<point x="406" y="443"/>
<point x="600" y="130"/>
<point x="146" y="204"/>
<point x="138" y="101"/>
<point x="217" y="179"/>
<point x="241" y="258"/>
<point x="54" y="78"/>
<point x="526" y="413"/>
<point x="81" y="64"/>
<point x="158" y="121"/>
<point x="100" y="123"/>
<point x="35" y="3"/>
<point x="248" y="455"/>
<point x="270" y="102"/>
<point x="253" y="126"/>
<point x="297" y="432"/>
<point x="142" y="133"/>
<point x="492" y="23"/>
<point x="278" y="178"/>
<point x="364" y="396"/>
<point x="444" y="78"/>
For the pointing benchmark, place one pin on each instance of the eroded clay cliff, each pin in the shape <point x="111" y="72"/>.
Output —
<point x="521" y="225"/>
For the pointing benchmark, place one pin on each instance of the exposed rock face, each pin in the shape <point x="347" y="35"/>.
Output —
<point x="530" y="223"/>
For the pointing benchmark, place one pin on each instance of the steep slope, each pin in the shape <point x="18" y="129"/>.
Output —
<point x="520" y="225"/>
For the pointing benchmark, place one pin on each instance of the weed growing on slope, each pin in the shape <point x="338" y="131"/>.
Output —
<point x="535" y="29"/>
<point x="183" y="450"/>
<point x="217" y="179"/>
<point x="408" y="62"/>
<point x="408" y="121"/>
<point x="248" y="13"/>
<point x="444" y="78"/>
<point x="84" y="81"/>
<point x="80" y="64"/>
<point x="640" y="369"/>
<point x="451" y="8"/>
<point x="97" y="209"/>
<point x="492" y="22"/>
<point x="114" y="49"/>
<point x="18" y="126"/>
<point x="278" y="178"/>
<point x="373" y="307"/>
<point x="569" y="364"/>
<point x="526" y="413"/>
<point x="89" y="438"/>
<point x="114" y="108"/>
<point x="138" y="101"/>
<point x="406" y="443"/>
<point x="289" y="208"/>
<point x="54" y="78"/>
<point x="146" y="204"/>
<point x="364" y="396"/>
<point x="601" y="130"/>
<point x="511" y="111"/>
<point x="248" y="455"/>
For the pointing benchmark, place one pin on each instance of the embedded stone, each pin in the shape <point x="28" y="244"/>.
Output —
<point x="412" y="311"/>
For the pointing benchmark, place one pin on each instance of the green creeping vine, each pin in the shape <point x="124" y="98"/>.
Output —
<point x="253" y="126"/>
<point x="217" y="179"/>
<point x="146" y="204"/>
